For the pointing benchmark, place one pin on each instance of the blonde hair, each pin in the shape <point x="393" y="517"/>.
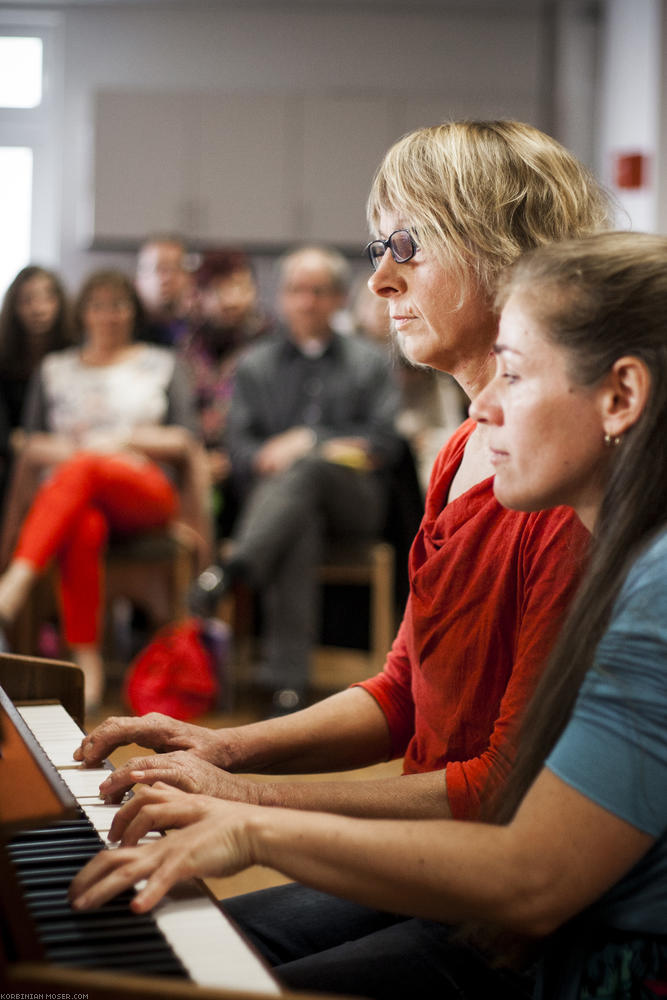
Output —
<point x="479" y="193"/>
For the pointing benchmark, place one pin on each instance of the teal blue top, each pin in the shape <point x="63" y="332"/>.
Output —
<point x="614" y="749"/>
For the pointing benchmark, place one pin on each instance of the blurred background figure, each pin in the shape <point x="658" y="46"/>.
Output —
<point x="230" y="319"/>
<point x="34" y="319"/>
<point x="312" y="440"/>
<point x="432" y="404"/>
<point x="165" y="288"/>
<point x="109" y="423"/>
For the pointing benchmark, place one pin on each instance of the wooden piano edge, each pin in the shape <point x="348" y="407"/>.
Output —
<point x="31" y="679"/>
<point x="34" y="679"/>
<point x="38" y="978"/>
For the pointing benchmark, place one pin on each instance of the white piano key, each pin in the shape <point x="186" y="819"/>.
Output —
<point x="208" y="945"/>
<point x="100" y="814"/>
<point x="47" y="720"/>
<point x="60" y="752"/>
<point x="84" y="783"/>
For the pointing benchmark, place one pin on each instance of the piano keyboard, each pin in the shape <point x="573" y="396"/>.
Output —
<point x="186" y="935"/>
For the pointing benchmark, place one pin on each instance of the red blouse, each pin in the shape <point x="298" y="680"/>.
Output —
<point x="488" y="590"/>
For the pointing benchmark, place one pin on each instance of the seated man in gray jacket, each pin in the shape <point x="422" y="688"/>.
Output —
<point x="311" y="436"/>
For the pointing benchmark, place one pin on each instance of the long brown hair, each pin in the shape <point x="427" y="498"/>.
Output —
<point x="15" y="360"/>
<point x="599" y="299"/>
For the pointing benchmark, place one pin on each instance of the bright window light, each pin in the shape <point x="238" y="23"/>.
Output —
<point x="15" y="210"/>
<point x="20" y="72"/>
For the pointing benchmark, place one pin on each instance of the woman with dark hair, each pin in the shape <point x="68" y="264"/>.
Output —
<point x="99" y="417"/>
<point x="569" y="871"/>
<point x="34" y="319"/>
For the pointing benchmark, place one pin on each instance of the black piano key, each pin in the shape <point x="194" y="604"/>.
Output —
<point x="112" y="954"/>
<point x="56" y="904"/>
<point x="152" y="965"/>
<point x="61" y="875"/>
<point x="60" y="828"/>
<point x="61" y="843"/>
<point x="111" y="937"/>
<point x="42" y="858"/>
<point x="94" y="921"/>
<point x="102" y="936"/>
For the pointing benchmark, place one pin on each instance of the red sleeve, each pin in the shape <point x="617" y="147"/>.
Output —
<point x="392" y="690"/>
<point x="551" y="559"/>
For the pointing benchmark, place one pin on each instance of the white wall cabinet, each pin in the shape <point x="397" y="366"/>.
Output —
<point x="262" y="170"/>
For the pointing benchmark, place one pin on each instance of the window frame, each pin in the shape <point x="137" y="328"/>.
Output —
<point x="38" y="128"/>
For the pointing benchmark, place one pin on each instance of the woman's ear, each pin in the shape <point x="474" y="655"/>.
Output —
<point x="626" y="390"/>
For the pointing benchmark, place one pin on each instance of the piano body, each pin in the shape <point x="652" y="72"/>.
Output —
<point x="51" y="821"/>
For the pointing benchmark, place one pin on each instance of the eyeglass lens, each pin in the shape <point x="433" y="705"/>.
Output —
<point x="400" y="243"/>
<point x="401" y="246"/>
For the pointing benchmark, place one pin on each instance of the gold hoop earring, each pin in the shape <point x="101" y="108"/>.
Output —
<point x="612" y="441"/>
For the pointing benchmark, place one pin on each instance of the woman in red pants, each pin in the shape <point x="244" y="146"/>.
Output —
<point x="108" y="420"/>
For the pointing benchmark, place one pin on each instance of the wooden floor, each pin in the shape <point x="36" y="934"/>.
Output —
<point x="256" y="877"/>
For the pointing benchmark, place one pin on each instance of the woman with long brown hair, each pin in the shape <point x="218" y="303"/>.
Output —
<point x="450" y="206"/>
<point x="34" y="319"/>
<point x="574" y="856"/>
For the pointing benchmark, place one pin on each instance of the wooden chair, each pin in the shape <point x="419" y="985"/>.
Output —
<point x="371" y="565"/>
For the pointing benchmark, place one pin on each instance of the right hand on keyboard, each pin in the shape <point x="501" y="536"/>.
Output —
<point x="156" y="732"/>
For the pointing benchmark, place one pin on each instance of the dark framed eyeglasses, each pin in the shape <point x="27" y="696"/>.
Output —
<point x="400" y="244"/>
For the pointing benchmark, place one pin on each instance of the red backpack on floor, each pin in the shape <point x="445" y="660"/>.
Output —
<point x="176" y="673"/>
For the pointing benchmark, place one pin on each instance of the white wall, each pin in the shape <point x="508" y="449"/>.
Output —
<point x="632" y="102"/>
<point x="476" y="63"/>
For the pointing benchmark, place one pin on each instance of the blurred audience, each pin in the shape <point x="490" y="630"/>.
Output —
<point x="432" y="405"/>
<point x="34" y="319"/>
<point x="229" y="320"/>
<point x="165" y="288"/>
<point x="311" y="438"/>
<point x="109" y="422"/>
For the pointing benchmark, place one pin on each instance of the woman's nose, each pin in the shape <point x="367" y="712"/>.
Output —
<point x="483" y="409"/>
<point x="387" y="279"/>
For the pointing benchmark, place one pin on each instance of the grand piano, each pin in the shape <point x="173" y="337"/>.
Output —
<point x="51" y="822"/>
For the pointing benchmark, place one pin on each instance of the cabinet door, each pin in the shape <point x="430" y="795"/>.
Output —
<point x="344" y="139"/>
<point x="245" y="191"/>
<point x="141" y="174"/>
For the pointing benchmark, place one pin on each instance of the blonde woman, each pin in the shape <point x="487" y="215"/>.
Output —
<point x="450" y="207"/>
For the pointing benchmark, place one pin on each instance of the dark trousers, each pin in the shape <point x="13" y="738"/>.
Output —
<point x="280" y="536"/>
<point x="318" y="942"/>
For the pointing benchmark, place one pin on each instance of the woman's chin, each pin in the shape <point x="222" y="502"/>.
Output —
<point x="514" y="499"/>
<point x="409" y="348"/>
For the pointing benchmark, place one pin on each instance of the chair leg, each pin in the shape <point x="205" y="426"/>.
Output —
<point x="382" y="602"/>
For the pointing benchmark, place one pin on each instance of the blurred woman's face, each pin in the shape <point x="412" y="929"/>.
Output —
<point x="230" y="299"/>
<point x="434" y="323"/>
<point x="108" y="317"/>
<point x="37" y="305"/>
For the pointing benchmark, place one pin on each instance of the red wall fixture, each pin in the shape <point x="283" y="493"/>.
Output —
<point x="630" y="170"/>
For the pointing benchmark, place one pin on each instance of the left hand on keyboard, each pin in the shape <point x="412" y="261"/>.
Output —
<point x="215" y="842"/>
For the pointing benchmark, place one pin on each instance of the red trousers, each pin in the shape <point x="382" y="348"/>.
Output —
<point x="88" y="498"/>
